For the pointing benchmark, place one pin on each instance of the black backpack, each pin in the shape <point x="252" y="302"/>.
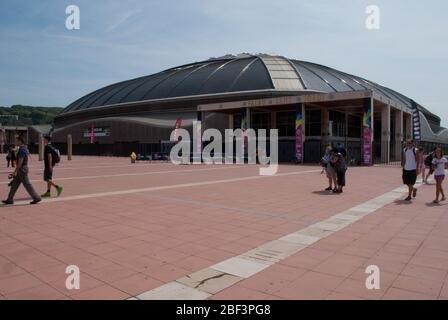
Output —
<point x="55" y="155"/>
<point x="428" y="159"/>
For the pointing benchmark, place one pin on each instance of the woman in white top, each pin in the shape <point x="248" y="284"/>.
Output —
<point x="440" y="163"/>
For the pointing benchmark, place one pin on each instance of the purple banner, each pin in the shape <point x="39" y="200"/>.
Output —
<point x="367" y="132"/>
<point x="299" y="133"/>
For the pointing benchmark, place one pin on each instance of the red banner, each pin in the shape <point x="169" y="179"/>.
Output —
<point x="176" y="128"/>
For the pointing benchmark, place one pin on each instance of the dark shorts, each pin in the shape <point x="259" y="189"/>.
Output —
<point x="409" y="177"/>
<point x="48" y="175"/>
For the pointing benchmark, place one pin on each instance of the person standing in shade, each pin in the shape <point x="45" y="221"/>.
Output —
<point x="20" y="175"/>
<point x="439" y="163"/>
<point x="50" y="159"/>
<point x="340" y="166"/>
<point x="328" y="168"/>
<point x="411" y="163"/>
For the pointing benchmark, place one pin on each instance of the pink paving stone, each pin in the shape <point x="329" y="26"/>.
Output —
<point x="136" y="284"/>
<point x="240" y="293"/>
<point x="120" y="239"/>
<point x="104" y="292"/>
<point x="428" y="287"/>
<point x="399" y="294"/>
<point x="18" y="283"/>
<point x="43" y="292"/>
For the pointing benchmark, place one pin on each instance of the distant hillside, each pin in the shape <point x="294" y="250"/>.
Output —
<point x="19" y="115"/>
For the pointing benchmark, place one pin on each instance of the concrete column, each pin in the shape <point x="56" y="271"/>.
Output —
<point x="197" y="139"/>
<point x="248" y="118"/>
<point x="41" y="147"/>
<point x="2" y="140"/>
<point x="245" y="124"/>
<point x="385" y="134"/>
<point x="273" y="120"/>
<point x="69" y="147"/>
<point x="398" y="134"/>
<point x="325" y="127"/>
<point x="230" y="126"/>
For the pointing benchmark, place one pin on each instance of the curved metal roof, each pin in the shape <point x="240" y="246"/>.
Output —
<point x="231" y="74"/>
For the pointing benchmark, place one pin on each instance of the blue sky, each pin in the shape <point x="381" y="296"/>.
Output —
<point x="43" y="63"/>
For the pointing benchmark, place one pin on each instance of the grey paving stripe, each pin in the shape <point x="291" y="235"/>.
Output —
<point x="243" y="266"/>
<point x="135" y="174"/>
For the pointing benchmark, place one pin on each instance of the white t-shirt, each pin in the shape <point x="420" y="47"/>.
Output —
<point x="410" y="155"/>
<point x="440" y="169"/>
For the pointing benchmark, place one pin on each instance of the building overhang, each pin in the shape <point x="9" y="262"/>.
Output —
<point x="314" y="98"/>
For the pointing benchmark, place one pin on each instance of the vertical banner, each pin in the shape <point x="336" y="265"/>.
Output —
<point x="367" y="132"/>
<point x="92" y="134"/>
<point x="176" y="129"/>
<point x="416" y="131"/>
<point x="299" y="132"/>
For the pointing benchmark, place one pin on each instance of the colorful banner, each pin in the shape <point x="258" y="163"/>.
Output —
<point x="176" y="129"/>
<point x="92" y="134"/>
<point x="96" y="132"/>
<point x="299" y="133"/>
<point x="367" y="133"/>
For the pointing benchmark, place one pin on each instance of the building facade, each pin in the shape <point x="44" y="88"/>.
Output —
<point x="311" y="106"/>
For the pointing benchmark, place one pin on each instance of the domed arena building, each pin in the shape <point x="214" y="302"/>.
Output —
<point x="311" y="105"/>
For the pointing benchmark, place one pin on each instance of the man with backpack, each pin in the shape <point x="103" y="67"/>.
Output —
<point x="428" y="165"/>
<point x="411" y="163"/>
<point x="51" y="157"/>
<point x="20" y="175"/>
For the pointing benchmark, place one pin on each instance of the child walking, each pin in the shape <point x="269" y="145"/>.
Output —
<point x="440" y="163"/>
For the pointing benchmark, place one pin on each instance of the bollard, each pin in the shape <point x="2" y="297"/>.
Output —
<point x="41" y="147"/>
<point x="69" y="147"/>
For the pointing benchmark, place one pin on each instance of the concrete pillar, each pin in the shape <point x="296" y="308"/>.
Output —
<point x="398" y="134"/>
<point x="273" y="120"/>
<point x="230" y="126"/>
<point x="41" y="147"/>
<point x="300" y="131"/>
<point x="2" y="140"/>
<point x="248" y="118"/>
<point x="197" y="139"/>
<point x="385" y="134"/>
<point x="325" y="129"/>
<point x="69" y="147"/>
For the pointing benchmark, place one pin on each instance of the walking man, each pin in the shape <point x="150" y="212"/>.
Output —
<point x="50" y="159"/>
<point x="20" y="175"/>
<point x="411" y="163"/>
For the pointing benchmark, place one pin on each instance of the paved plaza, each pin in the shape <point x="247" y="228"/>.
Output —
<point x="160" y="231"/>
